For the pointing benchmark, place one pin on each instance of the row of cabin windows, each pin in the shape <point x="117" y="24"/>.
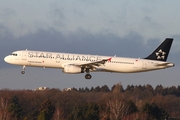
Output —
<point x="121" y="62"/>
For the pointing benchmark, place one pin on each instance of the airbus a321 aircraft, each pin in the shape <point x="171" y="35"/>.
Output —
<point x="80" y="63"/>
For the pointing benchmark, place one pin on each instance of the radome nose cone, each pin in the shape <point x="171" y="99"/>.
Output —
<point x="6" y="59"/>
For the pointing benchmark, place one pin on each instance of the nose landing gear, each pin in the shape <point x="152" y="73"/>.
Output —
<point x="23" y="70"/>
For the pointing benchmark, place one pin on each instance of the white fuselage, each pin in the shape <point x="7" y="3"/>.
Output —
<point x="59" y="60"/>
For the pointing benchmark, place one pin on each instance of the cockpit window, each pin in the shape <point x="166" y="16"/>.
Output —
<point x="14" y="54"/>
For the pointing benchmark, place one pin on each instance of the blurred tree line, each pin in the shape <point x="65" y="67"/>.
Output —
<point x="99" y="103"/>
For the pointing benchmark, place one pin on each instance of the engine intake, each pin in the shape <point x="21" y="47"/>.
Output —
<point x="72" y="69"/>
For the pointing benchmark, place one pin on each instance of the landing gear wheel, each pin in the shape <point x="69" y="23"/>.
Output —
<point x="22" y="72"/>
<point x="88" y="76"/>
<point x="23" y="69"/>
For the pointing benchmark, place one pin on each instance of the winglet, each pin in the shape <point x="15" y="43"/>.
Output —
<point x="162" y="51"/>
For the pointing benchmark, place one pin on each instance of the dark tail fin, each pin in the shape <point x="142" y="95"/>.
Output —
<point x="162" y="51"/>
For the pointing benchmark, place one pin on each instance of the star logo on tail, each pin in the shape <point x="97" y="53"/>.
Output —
<point x="160" y="54"/>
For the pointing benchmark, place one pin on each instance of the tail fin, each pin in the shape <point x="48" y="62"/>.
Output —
<point x="162" y="51"/>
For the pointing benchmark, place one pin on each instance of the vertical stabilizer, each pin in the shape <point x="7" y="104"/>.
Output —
<point x="162" y="51"/>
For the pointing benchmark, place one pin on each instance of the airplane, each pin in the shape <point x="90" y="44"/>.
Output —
<point x="83" y="63"/>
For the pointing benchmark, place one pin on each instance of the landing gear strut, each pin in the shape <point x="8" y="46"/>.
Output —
<point x="88" y="76"/>
<point x="23" y="70"/>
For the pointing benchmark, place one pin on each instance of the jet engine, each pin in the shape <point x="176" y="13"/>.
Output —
<point x="72" y="69"/>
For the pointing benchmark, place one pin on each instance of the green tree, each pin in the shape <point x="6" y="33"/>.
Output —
<point x="105" y="88"/>
<point x="97" y="89"/>
<point x="86" y="89"/>
<point x="132" y="107"/>
<point x="92" y="111"/>
<point x="155" y="112"/>
<point x="86" y="111"/>
<point x="92" y="89"/>
<point x="129" y="88"/>
<point x="46" y="110"/>
<point x="159" y="89"/>
<point x="14" y="108"/>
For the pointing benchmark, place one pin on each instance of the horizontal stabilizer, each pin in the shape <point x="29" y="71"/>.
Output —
<point x="165" y="64"/>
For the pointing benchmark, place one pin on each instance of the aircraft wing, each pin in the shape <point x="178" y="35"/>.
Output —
<point x="92" y="65"/>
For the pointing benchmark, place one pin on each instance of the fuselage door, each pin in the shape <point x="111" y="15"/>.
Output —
<point x="58" y="60"/>
<point x="144" y="64"/>
<point x="24" y="55"/>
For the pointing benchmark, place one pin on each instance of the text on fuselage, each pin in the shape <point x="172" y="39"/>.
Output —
<point x="63" y="56"/>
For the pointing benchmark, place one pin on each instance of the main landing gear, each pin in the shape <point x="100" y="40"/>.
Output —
<point x="23" y="70"/>
<point x="88" y="76"/>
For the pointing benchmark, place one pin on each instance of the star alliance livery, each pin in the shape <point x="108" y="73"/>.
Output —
<point x="83" y="63"/>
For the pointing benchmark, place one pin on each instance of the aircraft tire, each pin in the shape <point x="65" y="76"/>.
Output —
<point x="88" y="76"/>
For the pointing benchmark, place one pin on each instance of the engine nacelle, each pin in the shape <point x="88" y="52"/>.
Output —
<point x="72" y="69"/>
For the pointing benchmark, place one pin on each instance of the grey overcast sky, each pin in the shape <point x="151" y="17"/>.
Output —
<point x="120" y="27"/>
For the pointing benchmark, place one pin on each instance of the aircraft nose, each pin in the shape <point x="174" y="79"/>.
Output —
<point x="6" y="59"/>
